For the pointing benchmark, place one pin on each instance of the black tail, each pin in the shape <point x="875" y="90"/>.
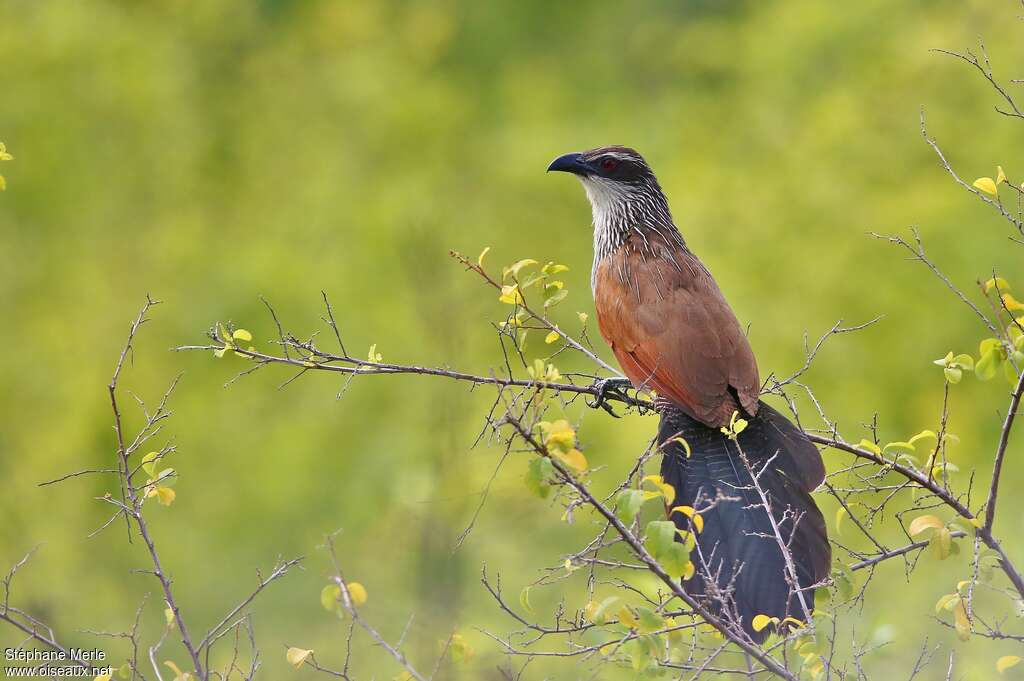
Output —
<point x="741" y="571"/>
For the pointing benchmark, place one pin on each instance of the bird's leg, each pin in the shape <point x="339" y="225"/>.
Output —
<point x="609" y="387"/>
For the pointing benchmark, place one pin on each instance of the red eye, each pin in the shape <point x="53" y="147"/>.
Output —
<point x="609" y="164"/>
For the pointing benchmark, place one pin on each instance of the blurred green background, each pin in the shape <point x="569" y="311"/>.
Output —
<point x="209" y="153"/>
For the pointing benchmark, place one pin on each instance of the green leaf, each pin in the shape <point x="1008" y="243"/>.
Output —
<point x="556" y="298"/>
<point x="964" y="361"/>
<point x="330" y="596"/>
<point x="675" y="560"/>
<point x="869" y="446"/>
<point x="986" y="367"/>
<point x="149" y="463"/>
<point x="953" y="375"/>
<point x="598" y="613"/>
<point x="627" y="504"/>
<point x="844" y="583"/>
<point x="524" y="599"/>
<point x="661" y="534"/>
<point x="648" y="620"/>
<point x="923" y="435"/>
<point x="538" y="476"/>
<point x="941" y="543"/>
<point x="514" y="268"/>
<point x="841" y="513"/>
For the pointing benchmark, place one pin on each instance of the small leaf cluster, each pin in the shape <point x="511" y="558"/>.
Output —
<point x="646" y="632"/>
<point x="942" y="543"/>
<point x="517" y="280"/>
<point x="559" y="440"/>
<point x="733" y="430"/>
<point x="158" y="484"/>
<point x="1006" y="352"/>
<point x="666" y="543"/>
<point x="231" y="337"/>
<point x="332" y="599"/>
<point x="990" y="186"/>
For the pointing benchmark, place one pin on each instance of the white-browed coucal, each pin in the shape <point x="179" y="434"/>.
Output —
<point x="673" y="332"/>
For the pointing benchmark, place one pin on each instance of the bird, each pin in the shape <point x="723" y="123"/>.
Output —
<point x="745" y="468"/>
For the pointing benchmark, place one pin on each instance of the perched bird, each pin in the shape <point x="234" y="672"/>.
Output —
<point x="673" y="332"/>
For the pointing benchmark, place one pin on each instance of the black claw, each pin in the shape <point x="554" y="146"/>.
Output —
<point x="609" y="387"/>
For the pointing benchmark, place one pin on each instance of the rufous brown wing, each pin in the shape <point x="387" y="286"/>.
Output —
<point x="672" y="330"/>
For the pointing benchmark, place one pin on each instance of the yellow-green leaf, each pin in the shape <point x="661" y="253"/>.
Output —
<point x="947" y="602"/>
<point x="665" y="490"/>
<point x="1007" y="661"/>
<point x="695" y="518"/>
<point x="985" y="369"/>
<point x="997" y="283"/>
<point x="1000" y="175"/>
<point x="922" y="523"/>
<point x="164" y="495"/>
<point x="941" y="543"/>
<point x="514" y="268"/>
<point x="178" y="674"/>
<point x="329" y="596"/>
<point x="660" y="535"/>
<point x="574" y="459"/>
<point x="552" y="337"/>
<point x="583" y="317"/>
<point x="961" y="623"/>
<point x="297" y="656"/>
<point x="761" y="621"/>
<point x="480" y="258"/>
<point x="242" y="335"/>
<point x="1011" y="303"/>
<point x="986" y="184"/>
<point x="357" y="592"/>
<point x="149" y="463"/>
<point x="510" y="295"/>
<point x="461" y="650"/>
<point x="676" y="561"/>
<point x="923" y="435"/>
<point x="558" y="434"/>
<point x="524" y="599"/>
<point x="869" y="446"/>
<point x="684" y="444"/>
<point x="841" y="513"/>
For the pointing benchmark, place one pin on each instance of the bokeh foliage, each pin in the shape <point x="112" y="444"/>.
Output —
<point x="210" y="153"/>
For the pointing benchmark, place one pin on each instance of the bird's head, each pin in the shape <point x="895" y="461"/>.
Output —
<point x="606" y="165"/>
<point x="620" y="186"/>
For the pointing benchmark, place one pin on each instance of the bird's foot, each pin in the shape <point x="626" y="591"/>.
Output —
<point x="609" y="387"/>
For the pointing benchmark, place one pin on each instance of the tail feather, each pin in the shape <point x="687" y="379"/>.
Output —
<point x="740" y="568"/>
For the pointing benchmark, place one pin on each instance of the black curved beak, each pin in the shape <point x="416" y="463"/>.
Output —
<point x="570" y="163"/>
